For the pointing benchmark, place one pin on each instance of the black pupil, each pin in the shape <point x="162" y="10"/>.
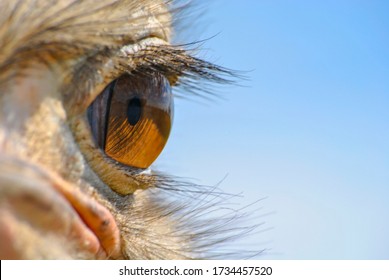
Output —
<point x="134" y="110"/>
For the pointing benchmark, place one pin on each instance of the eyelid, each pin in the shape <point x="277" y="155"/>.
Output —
<point x="89" y="76"/>
<point x="110" y="67"/>
<point x="132" y="49"/>
<point x="146" y="57"/>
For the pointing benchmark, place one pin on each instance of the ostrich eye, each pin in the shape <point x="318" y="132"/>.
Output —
<point x="132" y="117"/>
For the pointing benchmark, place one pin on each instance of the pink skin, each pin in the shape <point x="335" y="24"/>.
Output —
<point x="52" y="207"/>
<point x="96" y="217"/>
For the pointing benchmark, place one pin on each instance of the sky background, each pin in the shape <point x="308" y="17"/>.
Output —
<point x="308" y="131"/>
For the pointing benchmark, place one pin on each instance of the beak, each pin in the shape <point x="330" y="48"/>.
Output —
<point x="43" y="216"/>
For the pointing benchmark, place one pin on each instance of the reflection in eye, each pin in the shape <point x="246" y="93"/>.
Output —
<point x="131" y="118"/>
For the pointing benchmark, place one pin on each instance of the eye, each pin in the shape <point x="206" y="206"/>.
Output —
<point x="131" y="119"/>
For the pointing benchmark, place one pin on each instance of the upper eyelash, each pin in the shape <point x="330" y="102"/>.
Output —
<point x="180" y="67"/>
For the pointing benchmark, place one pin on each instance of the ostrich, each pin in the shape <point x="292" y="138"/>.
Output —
<point x="85" y="107"/>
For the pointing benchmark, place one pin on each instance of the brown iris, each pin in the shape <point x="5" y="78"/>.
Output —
<point x="131" y="119"/>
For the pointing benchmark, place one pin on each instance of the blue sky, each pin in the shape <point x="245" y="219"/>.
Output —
<point x="309" y="130"/>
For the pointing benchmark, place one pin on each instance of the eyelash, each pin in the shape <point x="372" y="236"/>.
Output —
<point x="178" y="66"/>
<point x="183" y="71"/>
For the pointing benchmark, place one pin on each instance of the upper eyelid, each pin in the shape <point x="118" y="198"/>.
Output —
<point x="90" y="76"/>
<point x="144" y="58"/>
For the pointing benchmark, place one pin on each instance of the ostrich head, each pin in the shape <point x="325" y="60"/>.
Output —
<point x="85" y="107"/>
